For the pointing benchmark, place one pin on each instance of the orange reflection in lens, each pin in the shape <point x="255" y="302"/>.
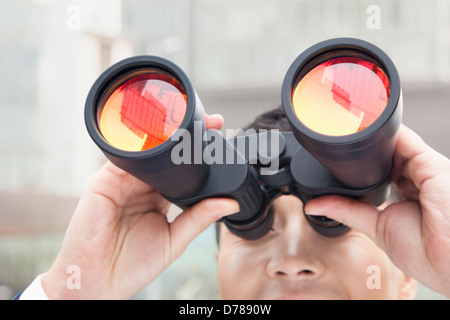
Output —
<point x="143" y="112"/>
<point x="341" y="96"/>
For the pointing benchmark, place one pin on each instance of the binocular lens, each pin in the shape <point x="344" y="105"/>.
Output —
<point x="341" y="96"/>
<point x="141" y="110"/>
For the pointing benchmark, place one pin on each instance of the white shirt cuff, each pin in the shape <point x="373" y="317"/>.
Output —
<point x="34" y="291"/>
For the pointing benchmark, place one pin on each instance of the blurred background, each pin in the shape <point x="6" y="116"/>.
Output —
<point x="235" y="52"/>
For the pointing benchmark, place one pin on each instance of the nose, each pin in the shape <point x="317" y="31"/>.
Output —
<point x="296" y="254"/>
<point x="294" y="267"/>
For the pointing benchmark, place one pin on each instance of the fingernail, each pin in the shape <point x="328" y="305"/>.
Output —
<point x="313" y="213"/>
<point x="310" y="210"/>
<point x="218" y="116"/>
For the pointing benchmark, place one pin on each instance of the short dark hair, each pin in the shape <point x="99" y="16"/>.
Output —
<point x="273" y="119"/>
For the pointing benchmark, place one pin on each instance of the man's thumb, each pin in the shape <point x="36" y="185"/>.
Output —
<point x="353" y="213"/>
<point x="193" y="221"/>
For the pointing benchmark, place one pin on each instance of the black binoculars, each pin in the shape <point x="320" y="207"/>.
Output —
<point x="342" y="98"/>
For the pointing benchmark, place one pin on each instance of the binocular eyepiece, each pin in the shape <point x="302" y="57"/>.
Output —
<point x="342" y="98"/>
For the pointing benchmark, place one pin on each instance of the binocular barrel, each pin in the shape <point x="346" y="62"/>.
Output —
<point x="146" y="117"/>
<point x="342" y="98"/>
<point x="132" y="112"/>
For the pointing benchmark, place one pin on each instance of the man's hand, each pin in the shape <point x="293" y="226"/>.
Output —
<point x="415" y="233"/>
<point x="119" y="236"/>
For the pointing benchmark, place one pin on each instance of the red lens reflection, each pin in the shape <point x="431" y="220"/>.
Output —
<point x="143" y="112"/>
<point x="341" y="96"/>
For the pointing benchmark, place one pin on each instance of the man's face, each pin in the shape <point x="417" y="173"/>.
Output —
<point x="293" y="261"/>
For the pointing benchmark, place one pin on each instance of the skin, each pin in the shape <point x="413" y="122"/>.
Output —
<point x="414" y="233"/>
<point x="293" y="261"/>
<point x="120" y="238"/>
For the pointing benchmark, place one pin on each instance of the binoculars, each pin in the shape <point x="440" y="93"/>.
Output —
<point x="342" y="98"/>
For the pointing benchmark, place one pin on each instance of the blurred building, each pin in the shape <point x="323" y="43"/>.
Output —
<point x="236" y="54"/>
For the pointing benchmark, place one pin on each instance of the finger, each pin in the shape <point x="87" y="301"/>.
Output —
<point x="420" y="161"/>
<point x="407" y="189"/>
<point x="399" y="220"/>
<point x="120" y="186"/>
<point x="214" y="121"/>
<point x="193" y="221"/>
<point x="352" y="213"/>
<point x="409" y="143"/>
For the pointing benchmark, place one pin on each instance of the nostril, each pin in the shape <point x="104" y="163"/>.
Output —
<point x="303" y="272"/>
<point x="306" y="271"/>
